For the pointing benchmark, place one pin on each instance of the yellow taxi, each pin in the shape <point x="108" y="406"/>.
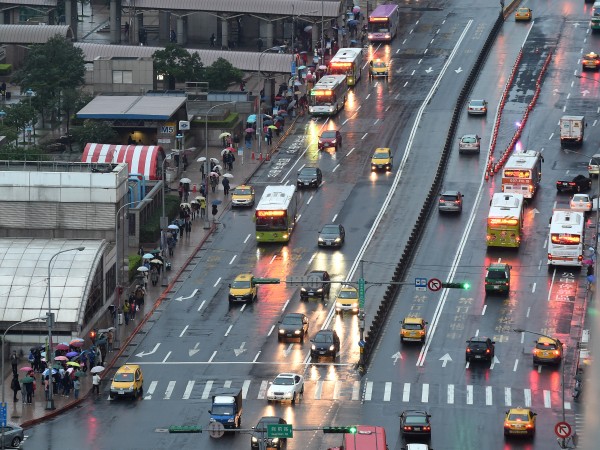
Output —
<point x="378" y="68"/>
<point x="590" y="61"/>
<point x="127" y="382"/>
<point x="382" y="159"/>
<point x="347" y="299"/>
<point x="242" y="196"/>
<point x="413" y="329"/>
<point x="243" y="289"/>
<point x="519" y="422"/>
<point x="547" y="350"/>
<point x="523" y="14"/>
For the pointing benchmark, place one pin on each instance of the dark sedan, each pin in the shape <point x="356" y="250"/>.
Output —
<point x="579" y="183"/>
<point x="318" y="285"/>
<point x="293" y="326"/>
<point x="415" y="425"/>
<point x="309" y="177"/>
<point x="332" y="235"/>
<point x="325" y="343"/>
<point x="479" y="348"/>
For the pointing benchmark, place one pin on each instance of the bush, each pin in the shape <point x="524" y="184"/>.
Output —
<point x="5" y="69"/>
<point x="150" y="231"/>
<point x="135" y="261"/>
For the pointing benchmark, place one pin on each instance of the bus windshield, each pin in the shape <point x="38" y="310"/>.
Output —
<point x="271" y="223"/>
<point x="379" y="26"/>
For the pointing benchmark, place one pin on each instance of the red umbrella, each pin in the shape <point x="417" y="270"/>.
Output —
<point x="62" y="347"/>
<point x="61" y="358"/>
<point x="26" y="369"/>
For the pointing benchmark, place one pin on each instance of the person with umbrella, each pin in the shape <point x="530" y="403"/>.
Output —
<point x="96" y="383"/>
<point x="154" y="276"/>
<point x="28" y="384"/>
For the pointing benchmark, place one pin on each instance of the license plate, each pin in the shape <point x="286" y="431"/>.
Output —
<point x="496" y="287"/>
<point x="289" y="335"/>
<point x="306" y="183"/>
<point x="417" y="428"/>
<point x="121" y="392"/>
<point x="322" y="352"/>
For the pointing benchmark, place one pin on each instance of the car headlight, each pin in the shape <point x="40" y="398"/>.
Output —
<point x="303" y="289"/>
<point x="212" y="419"/>
<point x="331" y="348"/>
<point x="320" y="290"/>
<point x="231" y="420"/>
<point x="313" y="347"/>
<point x="338" y="239"/>
<point x="281" y="331"/>
<point x="275" y="440"/>
<point x="297" y="332"/>
<point x="254" y="440"/>
<point x="333" y="142"/>
<point x="321" y="239"/>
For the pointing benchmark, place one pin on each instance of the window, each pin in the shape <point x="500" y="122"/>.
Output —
<point x="122" y="77"/>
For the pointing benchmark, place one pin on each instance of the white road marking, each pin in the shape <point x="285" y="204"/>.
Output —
<point x="528" y="311"/>
<point x="375" y="123"/>
<point x="201" y="305"/>
<point x="256" y="357"/>
<point x="336" y="389"/>
<point x="275" y="256"/>
<point x="184" y="330"/>
<point x="405" y="84"/>
<point x="228" y="330"/>
<point x="207" y="389"/>
<point x="507" y="397"/>
<point x="568" y="96"/>
<point x="551" y="136"/>
<point x="483" y="310"/>
<point x="243" y="307"/>
<point x="247" y="237"/>
<point x="547" y="399"/>
<point x="212" y="356"/>
<point x="595" y="122"/>
<point x="450" y="395"/>
<point x="262" y="392"/>
<point x="425" y="51"/>
<point x="344" y="122"/>
<point x="477" y="332"/>
<point x="188" y="390"/>
<point x="368" y="95"/>
<point x="351" y="150"/>
<point x="310" y="199"/>
<point x="411" y="32"/>
<point x="387" y="393"/>
<point x="488" y="395"/>
<point x="425" y="393"/>
<point x="469" y="394"/>
<point x="406" y="393"/>
<point x="271" y="330"/>
<point x="334" y="217"/>
<point x="356" y="390"/>
<point x="368" y="390"/>
<point x="285" y="304"/>
<point x="245" y="388"/>
<point x="288" y="350"/>
<point x="438" y="31"/>
<point x="217" y="282"/>
<point x="527" y="395"/>
<point x="413" y="72"/>
<point x="533" y="288"/>
<point x="420" y="61"/>
<point x="403" y="42"/>
<point x="227" y="384"/>
<point x="232" y="259"/>
<point x="169" y="390"/>
<point x="336" y="167"/>
<point x="522" y="337"/>
<point x="364" y="136"/>
<point x="319" y="390"/>
<point x="166" y="357"/>
<point x="151" y="390"/>
<point x="551" y="284"/>
<point x="298" y="219"/>
<point x="539" y="369"/>
<point x="311" y="259"/>
<point x="431" y="41"/>
<point x="567" y="405"/>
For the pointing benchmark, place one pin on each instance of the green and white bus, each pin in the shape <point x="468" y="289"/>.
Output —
<point x="276" y="214"/>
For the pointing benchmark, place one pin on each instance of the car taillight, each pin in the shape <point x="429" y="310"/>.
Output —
<point x="457" y="201"/>
<point x="506" y="424"/>
<point x="407" y="428"/>
<point x="529" y="426"/>
<point x="468" y="350"/>
<point x="556" y="353"/>
<point x="550" y="256"/>
<point x="427" y="428"/>
<point x="535" y="351"/>
<point x="422" y="332"/>
<point x="580" y="258"/>
<point x="487" y="350"/>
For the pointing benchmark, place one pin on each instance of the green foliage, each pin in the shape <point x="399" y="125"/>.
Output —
<point x="71" y="103"/>
<point x="11" y="152"/>
<point x="5" y="69"/>
<point x="150" y="230"/>
<point x="177" y="64"/>
<point x="96" y="131"/>
<point x="221" y="74"/>
<point x="135" y="261"/>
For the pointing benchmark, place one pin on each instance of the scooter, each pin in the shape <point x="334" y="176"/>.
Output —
<point x="578" y="387"/>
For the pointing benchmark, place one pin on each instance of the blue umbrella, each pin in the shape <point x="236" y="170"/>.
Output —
<point x="251" y="118"/>
<point x="216" y="202"/>
<point x="353" y="22"/>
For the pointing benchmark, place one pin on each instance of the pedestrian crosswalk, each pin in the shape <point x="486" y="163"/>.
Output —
<point x="367" y="391"/>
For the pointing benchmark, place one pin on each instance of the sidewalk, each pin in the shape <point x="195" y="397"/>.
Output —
<point x="186" y="249"/>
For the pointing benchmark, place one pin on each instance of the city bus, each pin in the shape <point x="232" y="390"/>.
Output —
<point x="384" y="23"/>
<point x="565" y="241"/>
<point x="347" y="61"/>
<point x="522" y="173"/>
<point x="505" y="220"/>
<point x="276" y="214"/>
<point x="366" y="438"/>
<point x="328" y="96"/>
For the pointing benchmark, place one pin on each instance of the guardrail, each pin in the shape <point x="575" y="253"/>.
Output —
<point x="392" y="291"/>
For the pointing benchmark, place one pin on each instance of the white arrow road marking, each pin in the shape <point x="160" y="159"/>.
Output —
<point x="141" y="354"/>
<point x="396" y="356"/>
<point x="239" y="351"/>
<point x="193" y="351"/>
<point x="286" y="352"/>
<point x="429" y="70"/>
<point x="459" y="70"/>
<point x="445" y="359"/>
<point x="494" y="362"/>
<point x="188" y="297"/>
<point x="585" y="92"/>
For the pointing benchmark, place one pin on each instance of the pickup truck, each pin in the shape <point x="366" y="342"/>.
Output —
<point x="579" y="183"/>
<point x="227" y="407"/>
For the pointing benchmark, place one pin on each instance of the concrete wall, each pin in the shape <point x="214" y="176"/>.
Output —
<point x="141" y="71"/>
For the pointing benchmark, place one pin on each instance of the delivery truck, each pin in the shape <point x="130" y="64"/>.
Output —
<point x="227" y="407"/>
<point x="571" y="130"/>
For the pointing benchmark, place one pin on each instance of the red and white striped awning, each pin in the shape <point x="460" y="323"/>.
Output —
<point x="142" y="159"/>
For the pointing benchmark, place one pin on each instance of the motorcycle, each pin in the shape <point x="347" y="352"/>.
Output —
<point x="578" y="387"/>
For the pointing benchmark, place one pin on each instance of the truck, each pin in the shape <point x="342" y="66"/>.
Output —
<point x="227" y="407"/>
<point x="572" y="130"/>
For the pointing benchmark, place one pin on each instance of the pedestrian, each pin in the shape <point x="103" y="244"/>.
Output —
<point x="212" y="40"/>
<point x="171" y="245"/>
<point x="214" y="179"/>
<point x="126" y="312"/>
<point x="202" y="206"/>
<point x="269" y="137"/>
<point x="132" y="310"/>
<point x="259" y="44"/>
<point x="16" y="387"/>
<point x="181" y="228"/>
<point x="186" y="192"/>
<point x="29" y="391"/>
<point x="96" y="383"/>
<point x="185" y="162"/>
<point x="14" y="361"/>
<point x="126" y="30"/>
<point x="66" y="384"/>
<point x="109" y="339"/>
<point x="76" y="387"/>
<point x="180" y="191"/>
<point x="154" y="276"/>
<point x="173" y="36"/>
<point x="225" y="183"/>
<point x="46" y="387"/>
<point x="188" y="228"/>
<point x="231" y="160"/>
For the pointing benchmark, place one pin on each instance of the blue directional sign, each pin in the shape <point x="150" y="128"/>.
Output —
<point x="421" y="284"/>
<point x="293" y="68"/>
<point x="3" y="414"/>
<point x="361" y="343"/>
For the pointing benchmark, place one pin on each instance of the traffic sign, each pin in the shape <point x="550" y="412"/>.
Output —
<point x="3" y="414"/>
<point x="421" y="284"/>
<point x="216" y="430"/>
<point x="562" y="430"/>
<point x="434" y="284"/>
<point x="310" y="281"/>
<point x="361" y="293"/>
<point x="361" y="343"/>
<point x="282" y="431"/>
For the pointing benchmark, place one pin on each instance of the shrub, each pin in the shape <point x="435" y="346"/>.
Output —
<point x="150" y="231"/>
<point x="135" y="261"/>
<point x="5" y="69"/>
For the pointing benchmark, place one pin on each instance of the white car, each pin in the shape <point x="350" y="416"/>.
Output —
<point x="593" y="165"/>
<point x="286" y="386"/>
<point x="581" y="203"/>
<point x="477" y="107"/>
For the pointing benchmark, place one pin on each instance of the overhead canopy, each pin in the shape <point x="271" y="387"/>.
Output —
<point x="142" y="159"/>
<point x="33" y="34"/>
<point x="135" y="107"/>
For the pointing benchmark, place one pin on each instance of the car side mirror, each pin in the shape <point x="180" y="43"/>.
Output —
<point x="462" y="195"/>
<point x="426" y="323"/>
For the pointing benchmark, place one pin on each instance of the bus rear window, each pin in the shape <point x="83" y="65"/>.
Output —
<point x="565" y="239"/>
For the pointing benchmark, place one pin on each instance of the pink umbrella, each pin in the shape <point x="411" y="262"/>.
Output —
<point x="26" y="369"/>
<point x="77" y="344"/>
<point x="62" y="347"/>
<point x="61" y="358"/>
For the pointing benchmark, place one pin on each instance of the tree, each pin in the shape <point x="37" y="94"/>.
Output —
<point x="19" y="116"/>
<point x="72" y="101"/>
<point x="51" y="68"/>
<point x="176" y="64"/>
<point x="97" y="131"/>
<point x="221" y="74"/>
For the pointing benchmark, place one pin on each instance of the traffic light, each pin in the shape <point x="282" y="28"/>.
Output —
<point x="266" y="280"/>
<point x="93" y="335"/>
<point x="462" y="285"/>
<point x="351" y="430"/>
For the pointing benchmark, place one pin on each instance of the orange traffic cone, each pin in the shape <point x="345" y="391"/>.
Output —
<point x="268" y="157"/>
<point x="253" y="156"/>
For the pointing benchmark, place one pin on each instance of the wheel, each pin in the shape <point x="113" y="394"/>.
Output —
<point x="239" y="425"/>
<point x="142" y="391"/>
<point x="294" y="399"/>
<point x="135" y="393"/>
<point x="16" y="442"/>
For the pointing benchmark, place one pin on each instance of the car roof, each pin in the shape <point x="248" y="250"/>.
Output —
<point x="328" y="131"/>
<point x="325" y="332"/>
<point x="347" y="287"/>
<point x="413" y="320"/>
<point x="415" y="412"/>
<point x="479" y="339"/>
<point x="547" y="340"/>
<point x="519" y="410"/>
<point x="450" y="193"/>
<point x="294" y="315"/>
<point x="244" y="276"/>
<point x="126" y="368"/>
<point x="334" y="225"/>
<point x="309" y="169"/>
<point x="474" y="100"/>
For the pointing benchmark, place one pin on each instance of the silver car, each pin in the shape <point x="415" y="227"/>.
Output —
<point x="469" y="143"/>
<point x="478" y="107"/>
<point x="13" y="435"/>
<point x="450" y="201"/>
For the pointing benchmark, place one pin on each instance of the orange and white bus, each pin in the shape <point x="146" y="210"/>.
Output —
<point x="347" y="61"/>
<point x="523" y="173"/>
<point x="367" y="437"/>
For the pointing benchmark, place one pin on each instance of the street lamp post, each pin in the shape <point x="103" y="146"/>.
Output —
<point x="49" y="357"/>
<point x="322" y="39"/>
<point x="206" y="161"/>
<point x="4" y="387"/>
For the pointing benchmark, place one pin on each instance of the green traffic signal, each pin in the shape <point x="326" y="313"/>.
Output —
<point x="351" y="430"/>
<point x="466" y="285"/>
<point x="462" y="285"/>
